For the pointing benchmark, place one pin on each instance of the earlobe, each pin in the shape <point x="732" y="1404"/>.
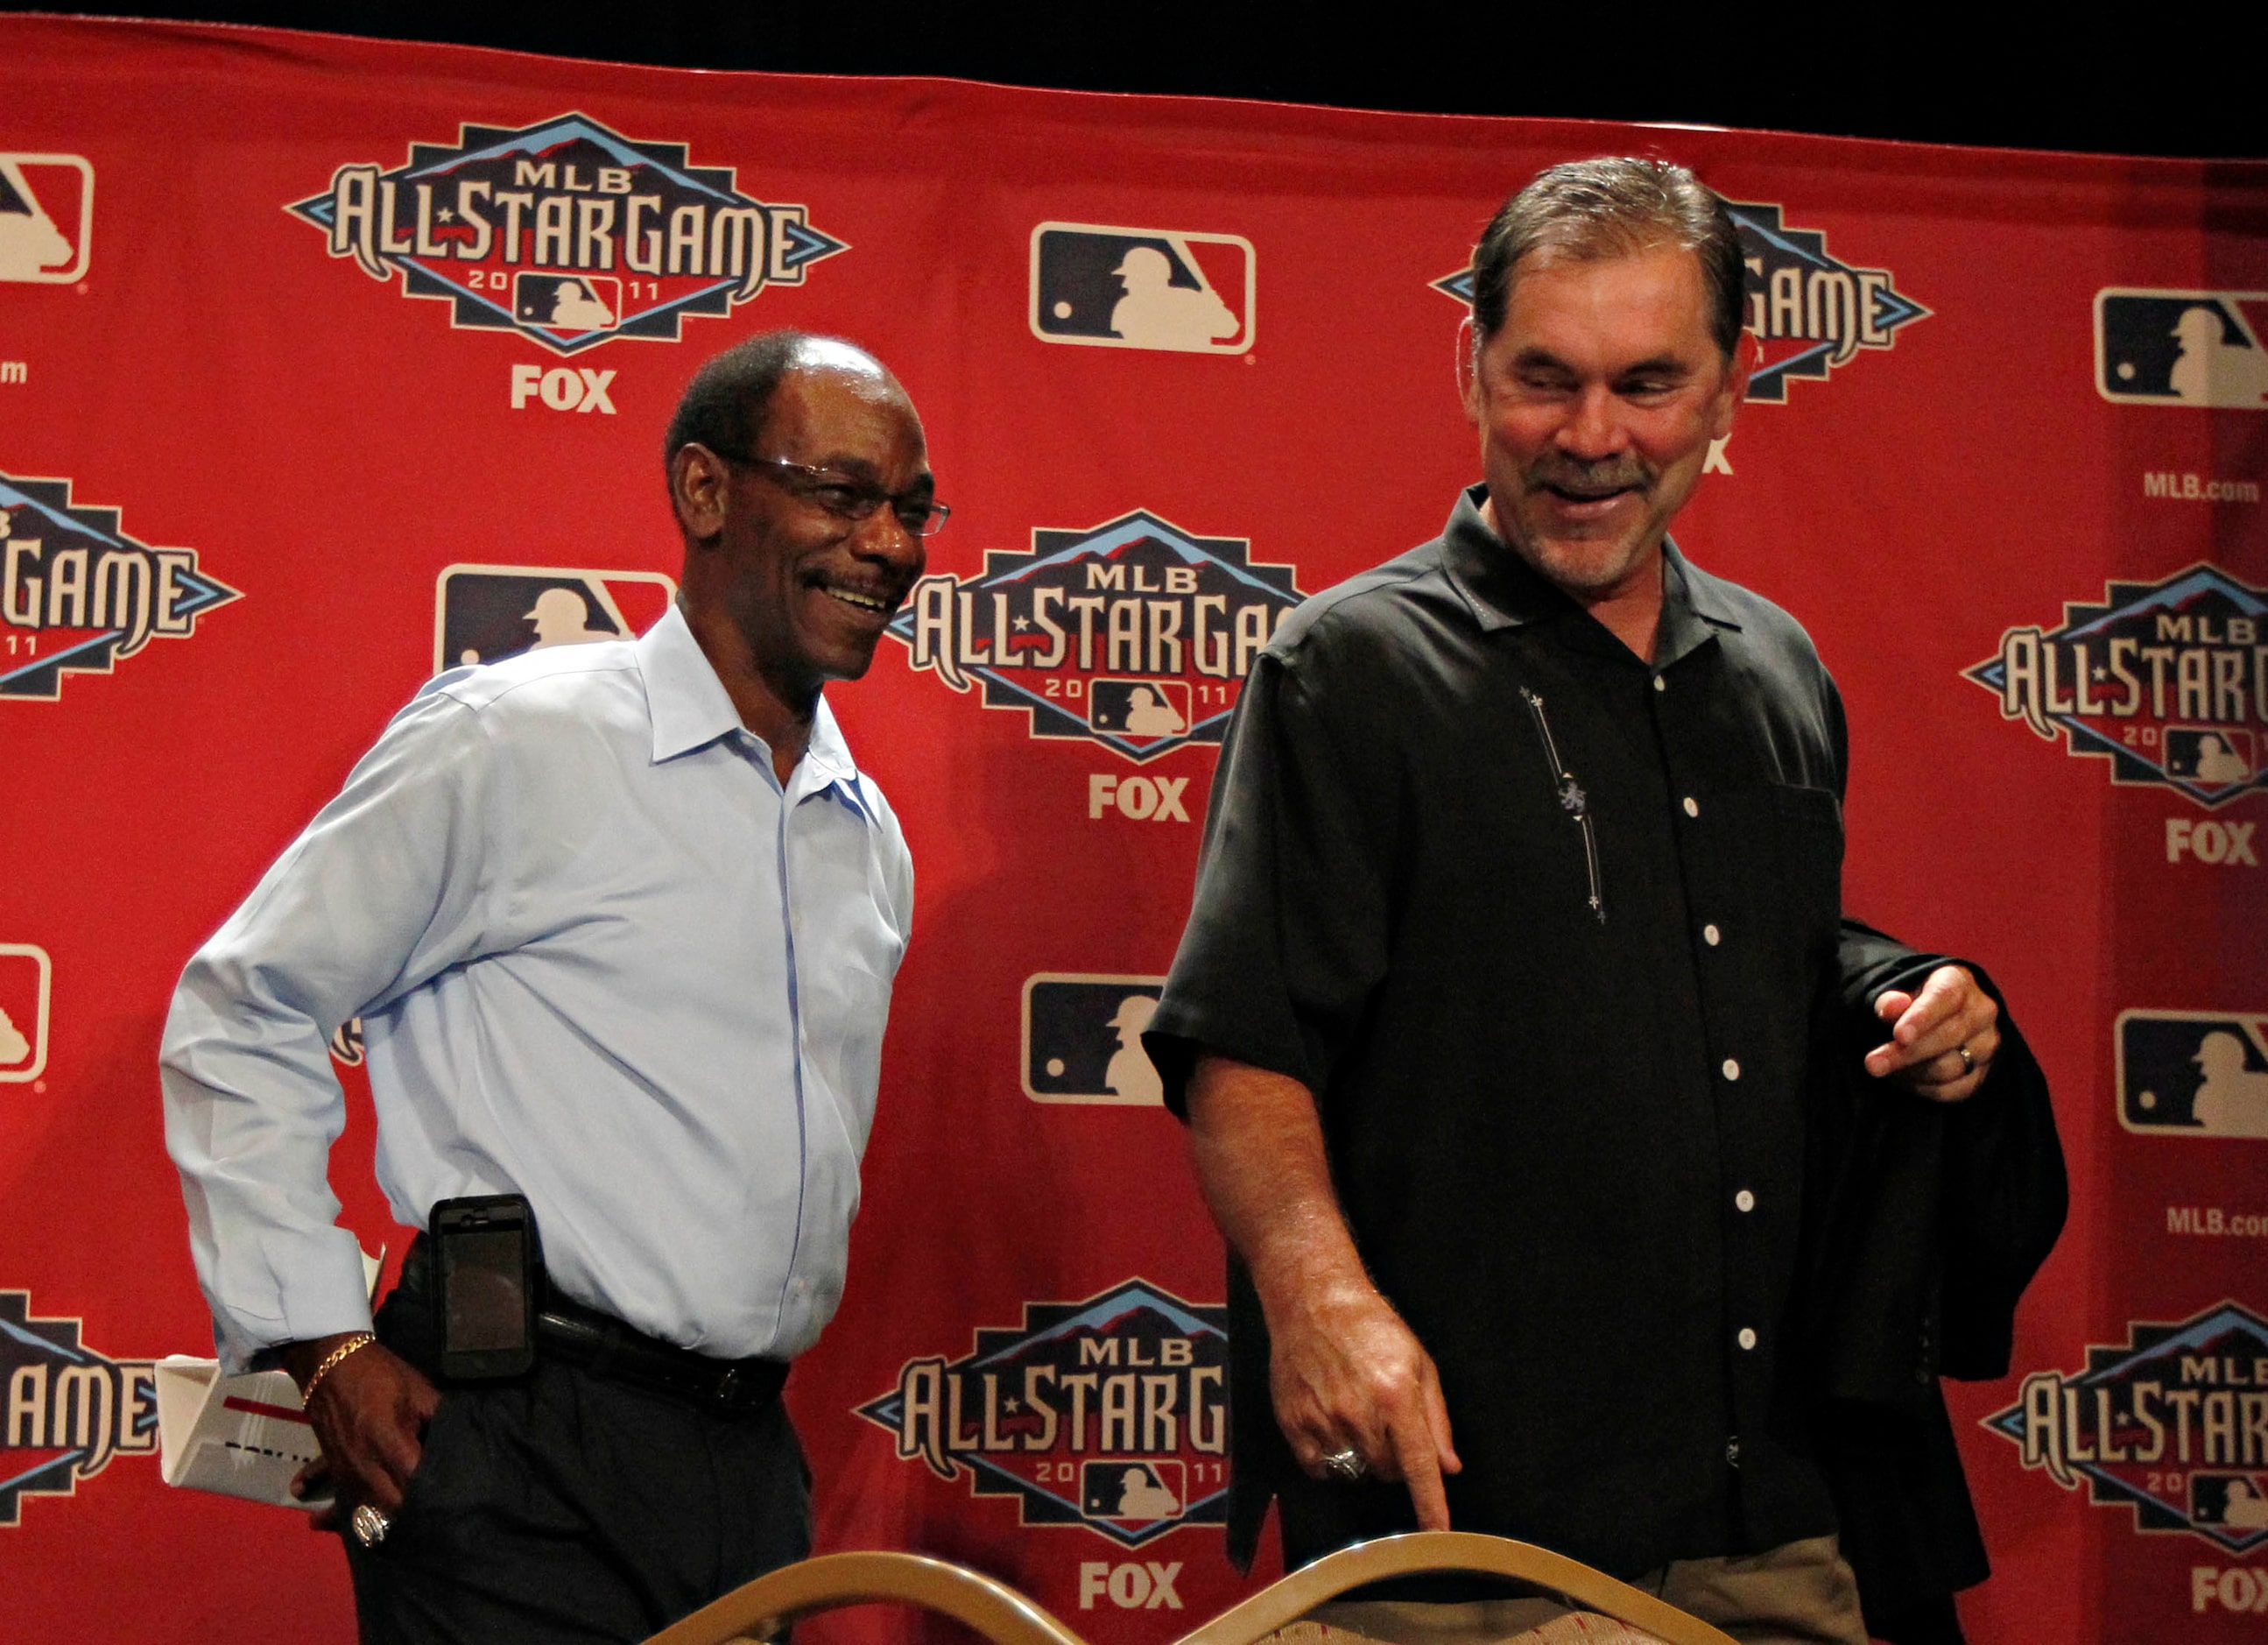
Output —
<point x="1746" y="355"/>
<point x="1468" y="370"/>
<point x="697" y="491"/>
<point x="1728" y="401"/>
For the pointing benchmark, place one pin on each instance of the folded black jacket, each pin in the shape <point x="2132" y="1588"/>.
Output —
<point x="1924" y="1224"/>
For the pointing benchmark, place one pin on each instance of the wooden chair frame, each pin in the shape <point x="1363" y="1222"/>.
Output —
<point x="760" y="1609"/>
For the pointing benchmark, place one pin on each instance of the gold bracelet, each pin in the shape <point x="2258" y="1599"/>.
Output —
<point x="360" y="1339"/>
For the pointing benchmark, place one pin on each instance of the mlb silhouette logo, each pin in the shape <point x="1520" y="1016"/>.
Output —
<point x="46" y="218"/>
<point x="567" y="302"/>
<point x="1140" y="288"/>
<point x="26" y="979"/>
<point x="2236" y="1503"/>
<point x="1083" y="1039"/>
<point x="1140" y="708"/>
<point x="2210" y="756"/>
<point x="487" y="613"/>
<point x="1130" y="1488"/>
<point x="2193" y="1072"/>
<point x="2182" y="348"/>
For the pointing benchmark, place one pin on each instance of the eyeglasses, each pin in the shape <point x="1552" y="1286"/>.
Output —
<point x="848" y="497"/>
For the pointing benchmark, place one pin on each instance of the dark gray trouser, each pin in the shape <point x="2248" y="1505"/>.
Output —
<point x="569" y="1509"/>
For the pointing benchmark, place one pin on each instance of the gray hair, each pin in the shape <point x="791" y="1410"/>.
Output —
<point x="1593" y="209"/>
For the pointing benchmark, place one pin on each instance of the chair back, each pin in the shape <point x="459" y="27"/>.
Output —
<point x="758" y="1609"/>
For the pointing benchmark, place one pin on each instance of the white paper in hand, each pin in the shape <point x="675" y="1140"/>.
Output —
<point x="245" y="1436"/>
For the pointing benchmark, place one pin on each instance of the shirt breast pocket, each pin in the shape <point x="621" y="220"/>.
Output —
<point x="1783" y="847"/>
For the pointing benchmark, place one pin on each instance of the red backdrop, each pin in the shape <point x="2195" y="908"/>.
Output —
<point x="281" y="426"/>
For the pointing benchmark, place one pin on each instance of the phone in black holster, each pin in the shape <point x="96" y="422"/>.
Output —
<point x="488" y="1269"/>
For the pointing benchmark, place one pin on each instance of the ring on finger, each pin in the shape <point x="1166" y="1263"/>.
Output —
<point x="1968" y="1061"/>
<point x="1345" y="1465"/>
<point x="369" y="1525"/>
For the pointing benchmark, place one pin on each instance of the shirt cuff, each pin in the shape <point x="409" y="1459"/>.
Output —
<point x="318" y="1281"/>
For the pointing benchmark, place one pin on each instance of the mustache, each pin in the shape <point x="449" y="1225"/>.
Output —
<point x="1627" y="472"/>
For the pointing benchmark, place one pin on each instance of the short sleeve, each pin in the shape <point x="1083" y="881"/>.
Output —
<point x="1287" y="938"/>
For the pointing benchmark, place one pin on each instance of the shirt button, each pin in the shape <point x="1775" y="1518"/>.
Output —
<point x="1692" y="807"/>
<point x="1710" y="935"/>
<point x="1660" y="684"/>
<point x="1746" y="1339"/>
<point x="1732" y="1069"/>
<point x="1744" y="1201"/>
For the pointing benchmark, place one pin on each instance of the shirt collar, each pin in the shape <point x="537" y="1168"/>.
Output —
<point x="684" y="697"/>
<point x="828" y="756"/>
<point x="1693" y="607"/>
<point x="826" y="765"/>
<point x="1504" y="591"/>
<point x="691" y="709"/>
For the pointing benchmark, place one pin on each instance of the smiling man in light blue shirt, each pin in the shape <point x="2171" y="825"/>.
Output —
<point x="621" y="921"/>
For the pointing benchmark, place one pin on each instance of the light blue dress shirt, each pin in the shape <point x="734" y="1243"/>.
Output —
<point x="601" y="959"/>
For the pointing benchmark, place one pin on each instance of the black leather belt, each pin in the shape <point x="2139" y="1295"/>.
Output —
<point x="605" y="1346"/>
<point x="597" y="1342"/>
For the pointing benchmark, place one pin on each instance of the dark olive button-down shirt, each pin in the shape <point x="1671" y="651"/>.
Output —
<point x="1549" y="930"/>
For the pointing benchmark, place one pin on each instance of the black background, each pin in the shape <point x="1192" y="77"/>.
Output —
<point x="2186" y="81"/>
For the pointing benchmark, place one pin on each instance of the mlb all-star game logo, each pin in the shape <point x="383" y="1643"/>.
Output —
<point x="1110" y="1413"/>
<point x="2173" y="1424"/>
<point x="79" y="596"/>
<point x="2167" y="680"/>
<point x="564" y="231"/>
<point x="68" y="1412"/>
<point x="1134" y="634"/>
<point x="1810" y="312"/>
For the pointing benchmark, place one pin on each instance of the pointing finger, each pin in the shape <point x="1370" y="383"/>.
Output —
<point x="1421" y="1469"/>
<point x="1437" y="1422"/>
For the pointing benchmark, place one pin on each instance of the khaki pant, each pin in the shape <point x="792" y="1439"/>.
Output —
<point x="1801" y="1593"/>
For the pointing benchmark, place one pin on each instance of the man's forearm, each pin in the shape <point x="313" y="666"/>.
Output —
<point x="1258" y="1146"/>
<point x="1352" y="1388"/>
